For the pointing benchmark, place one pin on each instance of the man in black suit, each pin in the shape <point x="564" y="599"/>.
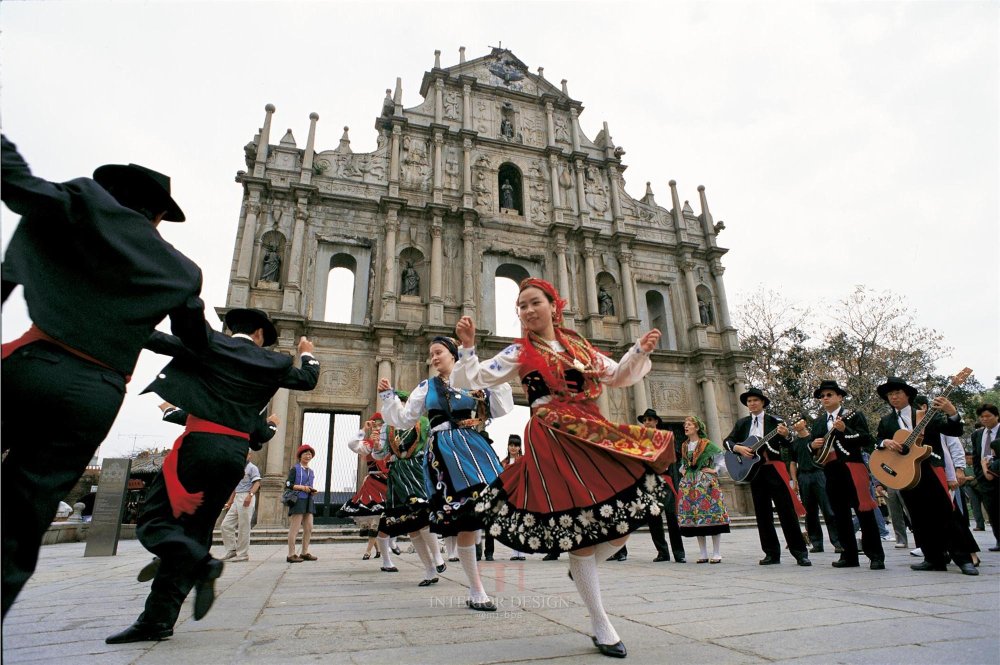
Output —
<point x="985" y="451"/>
<point x="224" y="390"/>
<point x="847" y="479"/>
<point x="669" y="509"/>
<point x="770" y="482"/>
<point x="97" y="279"/>
<point x="930" y="505"/>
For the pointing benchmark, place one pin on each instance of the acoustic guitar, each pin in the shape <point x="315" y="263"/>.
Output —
<point x="822" y="454"/>
<point x="743" y="469"/>
<point x="901" y="471"/>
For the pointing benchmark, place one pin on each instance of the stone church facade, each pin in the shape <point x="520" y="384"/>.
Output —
<point x="489" y="176"/>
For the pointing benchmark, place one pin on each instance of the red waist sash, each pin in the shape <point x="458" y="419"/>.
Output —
<point x="779" y="466"/>
<point x="182" y="501"/>
<point x="36" y="334"/>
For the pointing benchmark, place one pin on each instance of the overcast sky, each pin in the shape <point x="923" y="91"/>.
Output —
<point x="841" y="143"/>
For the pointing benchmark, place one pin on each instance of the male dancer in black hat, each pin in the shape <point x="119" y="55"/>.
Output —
<point x="847" y="479"/>
<point x="97" y="280"/>
<point x="224" y="389"/>
<point x="771" y="481"/>
<point x="932" y="511"/>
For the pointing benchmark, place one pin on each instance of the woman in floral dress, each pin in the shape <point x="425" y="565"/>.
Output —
<point x="584" y="483"/>
<point x="701" y="508"/>
<point x="459" y="462"/>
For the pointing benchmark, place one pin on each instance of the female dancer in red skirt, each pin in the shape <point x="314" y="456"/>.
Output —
<point x="584" y="482"/>
<point x="368" y="503"/>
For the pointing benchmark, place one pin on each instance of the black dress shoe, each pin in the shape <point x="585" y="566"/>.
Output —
<point x="613" y="650"/>
<point x="877" y="564"/>
<point x="661" y="557"/>
<point x="842" y="563"/>
<point x="396" y="551"/>
<point x="803" y="559"/>
<point x="995" y="549"/>
<point x="815" y="549"/>
<point x="390" y="569"/>
<point x="141" y="632"/>
<point x="769" y="560"/>
<point x="204" y="588"/>
<point x="488" y="558"/>
<point x="443" y="567"/>
<point x="968" y="569"/>
<point x="429" y="582"/>
<point x="551" y="556"/>
<point x="484" y="606"/>
<point x="149" y="571"/>
<point x="680" y="559"/>
<point x="927" y="565"/>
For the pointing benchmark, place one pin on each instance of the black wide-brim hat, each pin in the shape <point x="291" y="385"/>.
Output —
<point x="896" y="383"/>
<point x="755" y="392"/>
<point x="829" y="385"/>
<point x="649" y="413"/>
<point x="146" y="184"/>
<point x="257" y="319"/>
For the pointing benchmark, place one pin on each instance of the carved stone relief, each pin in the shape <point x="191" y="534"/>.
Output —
<point x="451" y="169"/>
<point x="482" y="184"/>
<point x="416" y="171"/>
<point x="482" y="116"/>
<point x="669" y="397"/>
<point x="343" y="379"/>
<point x="596" y="192"/>
<point x="452" y="104"/>
<point x="538" y="194"/>
<point x="561" y="129"/>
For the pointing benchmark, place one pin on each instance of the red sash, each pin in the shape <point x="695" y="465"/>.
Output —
<point x="36" y="334"/>
<point x="182" y="501"/>
<point x="939" y="472"/>
<point x="862" y="485"/>
<point x="670" y="483"/>
<point x="800" y="510"/>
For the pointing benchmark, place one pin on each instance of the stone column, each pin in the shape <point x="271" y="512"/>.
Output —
<point x="438" y="142"/>
<point x="467" y="106"/>
<point x="245" y="262"/>
<point x="739" y="387"/>
<point x="550" y="125"/>
<point x="269" y="510"/>
<point x="616" y="204"/>
<point x="564" y="289"/>
<point x="397" y="132"/>
<point x="469" y="282"/>
<point x="389" y="266"/>
<point x="720" y="293"/>
<point x="437" y="301"/>
<point x="467" y="173"/>
<point x="384" y="369"/>
<point x="438" y="101"/>
<point x="262" y="146"/>
<point x="677" y="211"/>
<point x="554" y="179"/>
<point x="628" y="292"/>
<point x="574" y="128"/>
<point x="692" y="291"/>
<point x="590" y="275"/>
<point x="711" y="410"/>
<point x="305" y="176"/>
<point x="294" y="287"/>
<point x="581" y="189"/>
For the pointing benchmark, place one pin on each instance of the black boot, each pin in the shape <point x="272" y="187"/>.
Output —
<point x="141" y="632"/>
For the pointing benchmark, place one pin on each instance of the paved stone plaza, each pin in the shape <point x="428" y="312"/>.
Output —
<point x="344" y="610"/>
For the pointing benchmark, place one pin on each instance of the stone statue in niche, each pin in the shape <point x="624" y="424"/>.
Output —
<point x="605" y="304"/>
<point x="272" y="264"/>
<point x="506" y="129"/>
<point x="507" y="195"/>
<point x="705" y="312"/>
<point x="451" y="104"/>
<point x="411" y="281"/>
<point x="561" y="131"/>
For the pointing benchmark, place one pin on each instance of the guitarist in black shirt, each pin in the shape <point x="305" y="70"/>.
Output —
<point x="771" y="482"/>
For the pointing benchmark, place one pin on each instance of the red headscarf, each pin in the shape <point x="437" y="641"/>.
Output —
<point x="546" y="287"/>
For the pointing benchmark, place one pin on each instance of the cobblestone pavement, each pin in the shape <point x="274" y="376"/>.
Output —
<point x="341" y="609"/>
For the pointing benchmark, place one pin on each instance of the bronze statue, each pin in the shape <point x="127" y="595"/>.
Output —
<point x="506" y="195"/>
<point x="272" y="265"/>
<point x="605" y="304"/>
<point x="411" y="281"/>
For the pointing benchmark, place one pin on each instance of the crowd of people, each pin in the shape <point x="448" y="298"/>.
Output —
<point x="98" y="278"/>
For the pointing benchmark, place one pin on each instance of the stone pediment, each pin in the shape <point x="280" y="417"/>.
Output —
<point x="502" y="69"/>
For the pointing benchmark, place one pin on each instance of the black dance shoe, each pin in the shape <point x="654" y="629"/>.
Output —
<point x="769" y="560"/>
<point x="429" y="582"/>
<point x="815" y="549"/>
<point x="204" y="588"/>
<point x="612" y="650"/>
<point x="551" y="556"/>
<point x="484" y="606"/>
<point x="927" y="565"/>
<point x="680" y="559"/>
<point x="390" y="569"/>
<point x="141" y="632"/>
<point x="877" y="564"/>
<point x="968" y="569"/>
<point x="802" y="558"/>
<point x="443" y="567"/>
<point x="149" y="571"/>
<point x="844" y="563"/>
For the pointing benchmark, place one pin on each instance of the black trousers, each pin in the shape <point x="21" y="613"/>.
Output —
<point x="812" y="491"/>
<point x="655" y="524"/>
<point x="843" y="499"/>
<point x="57" y="409"/>
<point x="209" y="463"/>
<point x="989" y="495"/>
<point x="767" y="486"/>
<point x="935" y="522"/>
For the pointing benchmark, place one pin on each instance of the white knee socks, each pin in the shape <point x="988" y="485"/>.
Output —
<point x="383" y="546"/>
<point x="603" y="550"/>
<point x="584" y="569"/>
<point x="702" y="547"/>
<point x="467" y="555"/>
<point x="716" y="541"/>
<point x="421" y="544"/>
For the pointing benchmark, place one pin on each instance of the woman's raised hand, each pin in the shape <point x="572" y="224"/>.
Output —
<point x="383" y="385"/>
<point x="465" y="330"/>
<point x="649" y="341"/>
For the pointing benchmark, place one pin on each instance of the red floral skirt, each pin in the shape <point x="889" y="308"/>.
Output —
<point x="582" y="480"/>
<point x="368" y="501"/>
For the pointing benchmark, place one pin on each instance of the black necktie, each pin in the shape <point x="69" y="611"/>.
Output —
<point x="829" y="422"/>
<point x="755" y="423"/>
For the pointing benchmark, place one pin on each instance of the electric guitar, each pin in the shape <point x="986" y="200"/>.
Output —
<point x="901" y="471"/>
<point x="822" y="454"/>
<point x="743" y="469"/>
